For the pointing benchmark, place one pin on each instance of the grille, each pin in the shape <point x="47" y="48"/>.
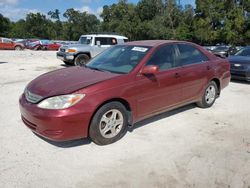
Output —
<point x="31" y="97"/>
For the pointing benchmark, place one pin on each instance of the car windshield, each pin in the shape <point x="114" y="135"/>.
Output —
<point x="85" y="40"/>
<point x="120" y="59"/>
<point x="46" y="42"/>
<point x="243" y="52"/>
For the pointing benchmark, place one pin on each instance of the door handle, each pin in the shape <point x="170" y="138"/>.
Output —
<point x="177" y="75"/>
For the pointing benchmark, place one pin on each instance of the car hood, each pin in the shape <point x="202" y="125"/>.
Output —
<point x="67" y="80"/>
<point x="20" y="44"/>
<point x="239" y="59"/>
<point x="75" y="46"/>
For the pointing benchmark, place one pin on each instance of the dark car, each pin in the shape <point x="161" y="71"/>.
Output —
<point x="224" y="51"/>
<point x="240" y="64"/>
<point x="121" y="86"/>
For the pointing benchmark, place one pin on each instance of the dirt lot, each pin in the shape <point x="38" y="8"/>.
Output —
<point x="188" y="147"/>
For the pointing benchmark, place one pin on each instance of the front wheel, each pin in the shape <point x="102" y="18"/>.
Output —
<point x="209" y="95"/>
<point x="81" y="60"/>
<point x="109" y="124"/>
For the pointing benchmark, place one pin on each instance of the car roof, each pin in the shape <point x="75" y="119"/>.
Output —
<point x="105" y="35"/>
<point x="153" y="43"/>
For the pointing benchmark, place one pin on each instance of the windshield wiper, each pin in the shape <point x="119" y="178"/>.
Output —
<point x="94" y="68"/>
<point x="103" y="70"/>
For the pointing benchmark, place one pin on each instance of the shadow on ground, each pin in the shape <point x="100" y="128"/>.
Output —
<point x="67" y="144"/>
<point x="3" y="62"/>
<point x="64" y="65"/>
<point x="162" y="116"/>
<point x="86" y="141"/>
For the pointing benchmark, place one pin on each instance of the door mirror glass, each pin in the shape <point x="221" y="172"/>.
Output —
<point x="150" y="69"/>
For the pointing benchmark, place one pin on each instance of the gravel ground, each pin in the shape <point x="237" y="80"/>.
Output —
<point x="187" y="147"/>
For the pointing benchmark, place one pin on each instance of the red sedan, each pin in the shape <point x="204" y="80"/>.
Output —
<point x="125" y="84"/>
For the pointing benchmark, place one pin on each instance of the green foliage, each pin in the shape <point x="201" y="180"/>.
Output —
<point x="211" y="22"/>
<point x="4" y="26"/>
<point x="78" y="23"/>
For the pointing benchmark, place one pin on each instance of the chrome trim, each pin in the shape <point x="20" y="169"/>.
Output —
<point x="31" y="97"/>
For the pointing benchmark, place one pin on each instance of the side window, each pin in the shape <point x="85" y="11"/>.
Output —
<point x="102" y="40"/>
<point x="190" y="55"/>
<point x="7" y="41"/>
<point x="106" y="41"/>
<point x="113" y="41"/>
<point x="164" y="57"/>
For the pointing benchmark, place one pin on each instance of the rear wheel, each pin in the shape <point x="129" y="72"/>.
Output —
<point x="109" y="124"/>
<point x="18" y="48"/>
<point x="209" y="95"/>
<point x="81" y="60"/>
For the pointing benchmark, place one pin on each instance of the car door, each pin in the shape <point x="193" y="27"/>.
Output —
<point x="194" y="72"/>
<point x="8" y="44"/>
<point x="161" y="90"/>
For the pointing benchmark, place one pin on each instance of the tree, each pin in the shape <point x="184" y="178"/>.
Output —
<point x="79" y="23"/>
<point x="56" y="27"/>
<point x="37" y="25"/>
<point x="18" y="29"/>
<point x="4" y="26"/>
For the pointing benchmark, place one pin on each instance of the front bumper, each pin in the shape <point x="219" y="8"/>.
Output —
<point x="65" y="56"/>
<point x="240" y="74"/>
<point x="56" y="125"/>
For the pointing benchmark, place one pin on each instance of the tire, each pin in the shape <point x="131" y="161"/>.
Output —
<point x="81" y="60"/>
<point x="37" y="48"/>
<point x="109" y="124"/>
<point x="68" y="63"/>
<point x="209" y="96"/>
<point x="18" y="48"/>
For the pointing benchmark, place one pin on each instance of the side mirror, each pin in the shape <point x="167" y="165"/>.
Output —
<point x="98" y="43"/>
<point x="150" y="69"/>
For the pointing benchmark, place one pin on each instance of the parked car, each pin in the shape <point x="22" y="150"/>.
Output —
<point x="8" y="44"/>
<point x="88" y="47"/>
<point x="44" y="45"/>
<point x="123" y="85"/>
<point x="224" y="51"/>
<point x="240" y="64"/>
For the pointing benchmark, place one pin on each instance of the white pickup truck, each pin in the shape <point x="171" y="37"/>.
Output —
<point x="88" y="47"/>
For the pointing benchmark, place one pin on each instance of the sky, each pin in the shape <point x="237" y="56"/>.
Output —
<point x="17" y="9"/>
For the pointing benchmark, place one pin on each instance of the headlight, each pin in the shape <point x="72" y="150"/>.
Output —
<point x="61" y="102"/>
<point x="71" y="50"/>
